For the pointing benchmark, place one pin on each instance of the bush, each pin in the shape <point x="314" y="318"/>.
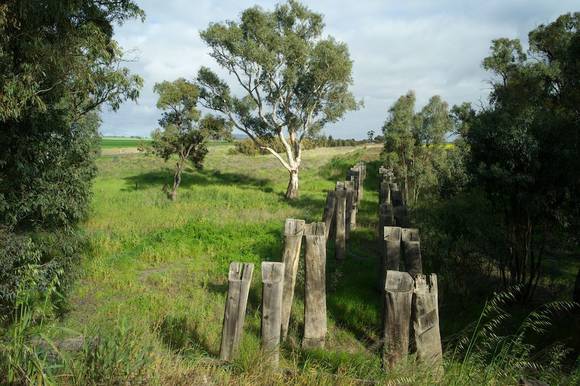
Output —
<point x="33" y="263"/>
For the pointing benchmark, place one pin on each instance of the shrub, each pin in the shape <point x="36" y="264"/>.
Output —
<point x="32" y="263"/>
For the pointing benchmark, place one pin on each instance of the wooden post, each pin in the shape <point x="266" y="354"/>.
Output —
<point x="401" y="216"/>
<point x="340" y="222"/>
<point x="362" y="167"/>
<point x="239" y="278"/>
<point x="396" y="317"/>
<point x="272" y="290"/>
<point x="426" y="334"/>
<point x="390" y="252"/>
<point x="396" y="195"/>
<point x="384" y="193"/>
<point x="329" y="209"/>
<point x="385" y="216"/>
<point x="412" y="250"/>
<point x="293" y="231"/>
<point x="352" y="174"/>
<point x="392" y="240"/>
<point x="315" y="288"/>
<point x="350" y="207"/>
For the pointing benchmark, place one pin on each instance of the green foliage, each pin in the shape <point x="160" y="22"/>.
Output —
<point x="117" y="358"/>
<point x="490" y="347"/>
<point x="58" y="64"/>
<point x="294" y="81"/>
<point x="414" y="146"/>
<point x="21" y="361"/>
<point x="524" y="146"/>
<point x="33" y="263"/>
<point x="183" y="131"/>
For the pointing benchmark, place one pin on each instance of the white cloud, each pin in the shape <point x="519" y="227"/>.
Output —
<point x="432" y="47"/>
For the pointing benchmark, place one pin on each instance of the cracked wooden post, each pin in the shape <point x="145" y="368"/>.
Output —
<point x="293" y="231"/>
<point x="353" y="174"/>
<point x="390" y="251"/>
<point x="239" y="279"/>
<point x="396" y="317"/>
<point x="315" y="287"/>
<point x="384" y="193"/>
<point x="412" y="250"/>
<point x="272" y="290"/>
<point x="328" y="216"/>
<point x="350" y="208"/>
<point x="340" y="222"/>
<point x="426" y="334"/>
<point x="362" y="167"/>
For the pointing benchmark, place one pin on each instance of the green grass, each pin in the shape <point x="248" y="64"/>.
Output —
<point x="120" y="142"/>
<point x="159" y="269"/>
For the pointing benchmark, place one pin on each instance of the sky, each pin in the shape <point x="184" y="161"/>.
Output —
<point x="431" y="47"/>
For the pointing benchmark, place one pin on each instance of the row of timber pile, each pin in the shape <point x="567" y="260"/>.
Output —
<point x="411" y="313"/>
<point x="279" y="278"/>
<point x="410" y="317"/>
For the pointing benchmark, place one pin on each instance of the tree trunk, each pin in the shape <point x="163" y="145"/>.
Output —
<point x="292" y="190"/>
<point x="176" y="181"/>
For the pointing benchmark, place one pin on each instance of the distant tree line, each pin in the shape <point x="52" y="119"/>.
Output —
<point x="249" y="147"/>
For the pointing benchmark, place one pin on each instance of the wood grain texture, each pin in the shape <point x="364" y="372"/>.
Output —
<point x="398" y="298"/>
<point x="426" y="333"/>
<point x="315" y="323"/>
<point x="239" y="280"/>
<point x="293" y="232"/>
<point x="272" y="291"/>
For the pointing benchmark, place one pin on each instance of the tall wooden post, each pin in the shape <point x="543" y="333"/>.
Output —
<point x="293" y="231"/>
<point x="272" y="290"/>
<point x="350" y="208"/>
<point x="362" y="172"/>
<point x="386" y="216"/>
<point x="315" y="288"/>
<point x="239" y="279"/>
<point x="426" y="334"/>
<point x="340" y="222"/>
<point x="396" y="317"/>
<point x="329" y="209"/>
<point x="384" y="193"/>
<point x="412" y="250"/>
<point x="390" y="252"/>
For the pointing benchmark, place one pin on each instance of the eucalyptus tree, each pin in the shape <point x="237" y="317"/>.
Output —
<point x="292" y="80"/>
<point x="59" y="64"/>
<point x="399" y="147"/>
<point x="183" y="131"/>
<point x="414" y="143"/>
<point x="524" y="145"/>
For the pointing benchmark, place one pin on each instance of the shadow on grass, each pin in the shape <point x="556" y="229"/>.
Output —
<point x="193" y="177"/>
<point x="353" y="301"/>
<point x="180" y="334"/>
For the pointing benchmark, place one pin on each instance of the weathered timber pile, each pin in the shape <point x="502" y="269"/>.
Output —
<point x="410" y="307"/>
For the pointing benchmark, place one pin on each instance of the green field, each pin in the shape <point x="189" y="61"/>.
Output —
<point x="120" y="142"/>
